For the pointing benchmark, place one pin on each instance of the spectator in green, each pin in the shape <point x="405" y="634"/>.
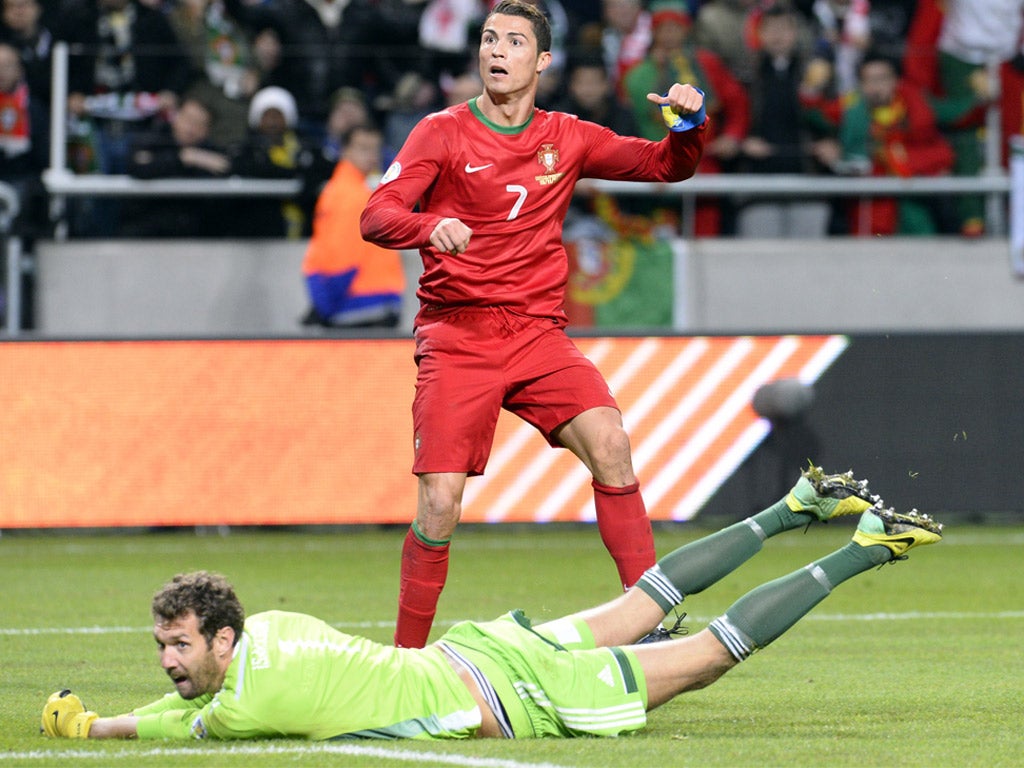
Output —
<point x="887" y="128"/>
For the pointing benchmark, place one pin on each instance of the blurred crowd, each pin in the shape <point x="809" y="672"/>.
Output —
<point x="270" y="88"/>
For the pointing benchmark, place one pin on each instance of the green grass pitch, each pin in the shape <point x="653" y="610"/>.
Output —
<point x="914" y="664"/>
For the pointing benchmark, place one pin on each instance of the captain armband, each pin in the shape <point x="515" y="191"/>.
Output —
<point x="678" y="123"/>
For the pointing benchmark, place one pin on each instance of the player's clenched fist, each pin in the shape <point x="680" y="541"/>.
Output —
<point x="451" y="235"/>
<point x="65" y="716"/>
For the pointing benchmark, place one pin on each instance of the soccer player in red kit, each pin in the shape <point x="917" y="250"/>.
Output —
<point x="490" y="181"/>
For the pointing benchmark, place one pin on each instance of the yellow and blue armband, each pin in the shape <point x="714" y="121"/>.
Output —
<point x="678" y="123"/>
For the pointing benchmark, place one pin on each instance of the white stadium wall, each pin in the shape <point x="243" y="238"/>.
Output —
<point x="230" y="288"/>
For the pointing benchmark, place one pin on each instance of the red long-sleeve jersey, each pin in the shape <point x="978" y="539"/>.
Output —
<point x="511" y="187"/>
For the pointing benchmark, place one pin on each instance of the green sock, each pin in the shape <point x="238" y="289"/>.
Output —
<point x="852" y="559"/>
<point x="779" y="517"/>
<point x="763" y="614"/>
<point x="697" y="565"/>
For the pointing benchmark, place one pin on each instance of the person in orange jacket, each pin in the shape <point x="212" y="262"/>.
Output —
<point x="351" y="283"/>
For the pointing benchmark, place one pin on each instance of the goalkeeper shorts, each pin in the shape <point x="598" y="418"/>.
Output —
<point x="548" y="690"/>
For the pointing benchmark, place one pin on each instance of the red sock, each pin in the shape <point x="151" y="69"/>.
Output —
<point x="625" y="530"/>
<point x="424" y="572"/>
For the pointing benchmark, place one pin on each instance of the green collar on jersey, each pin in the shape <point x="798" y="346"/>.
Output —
<point x="510" y="130"/>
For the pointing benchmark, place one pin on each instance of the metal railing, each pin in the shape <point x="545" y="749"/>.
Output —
<point x="994" y="182"/>
<point x="61" y="183"/>
<point x="1017" y="205"/>
<point x="10" y="247"/>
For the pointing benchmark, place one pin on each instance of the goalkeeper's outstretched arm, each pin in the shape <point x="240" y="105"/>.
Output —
<point x="120" y="727"/>
<point x="64" y="716"/>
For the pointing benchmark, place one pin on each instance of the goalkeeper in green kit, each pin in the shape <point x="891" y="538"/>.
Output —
<point x="595" y="673"/>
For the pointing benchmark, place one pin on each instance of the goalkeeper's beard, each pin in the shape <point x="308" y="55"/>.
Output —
<point x="205" y="678"/>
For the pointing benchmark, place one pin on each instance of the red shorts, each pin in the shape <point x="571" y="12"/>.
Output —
<point x="473" y="362"/>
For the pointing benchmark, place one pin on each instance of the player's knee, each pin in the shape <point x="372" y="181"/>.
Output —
<point x="438" y="523"/>
<point x="611" y="459"/>
<point x="438" y="511"/>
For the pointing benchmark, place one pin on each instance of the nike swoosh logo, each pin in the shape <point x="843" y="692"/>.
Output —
<point x="475" y="168"/>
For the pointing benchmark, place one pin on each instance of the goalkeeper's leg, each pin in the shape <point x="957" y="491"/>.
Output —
<point x="762" y="615"/>
<point x="694" y="567"/>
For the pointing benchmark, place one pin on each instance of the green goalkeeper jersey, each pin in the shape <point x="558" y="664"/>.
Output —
<point x="294" y="675"/>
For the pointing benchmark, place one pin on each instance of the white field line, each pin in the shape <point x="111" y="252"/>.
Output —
<point x="402" y="755"/>
<point x="696" y="619"/>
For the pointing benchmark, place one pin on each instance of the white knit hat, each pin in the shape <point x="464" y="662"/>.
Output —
<point x="273" y="97"/>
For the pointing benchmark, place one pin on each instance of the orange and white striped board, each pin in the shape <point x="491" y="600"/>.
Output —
<point x="285" y="432"/>
<point x="686" y="404"/>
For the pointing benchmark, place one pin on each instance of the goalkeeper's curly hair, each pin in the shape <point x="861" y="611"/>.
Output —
<point x="209" y="595"/>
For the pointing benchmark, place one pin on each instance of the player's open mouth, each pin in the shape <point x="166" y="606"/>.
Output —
<point x="498" y="71"/>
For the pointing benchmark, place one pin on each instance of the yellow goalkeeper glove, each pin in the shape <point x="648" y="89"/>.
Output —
<point x="64" y="715"/>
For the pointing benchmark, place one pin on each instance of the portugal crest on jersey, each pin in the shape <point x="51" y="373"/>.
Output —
<point x="547" y="156"/>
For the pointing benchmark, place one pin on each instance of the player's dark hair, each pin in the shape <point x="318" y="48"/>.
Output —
<point x="533" y="14"/>
<point x="208" y="595"/>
